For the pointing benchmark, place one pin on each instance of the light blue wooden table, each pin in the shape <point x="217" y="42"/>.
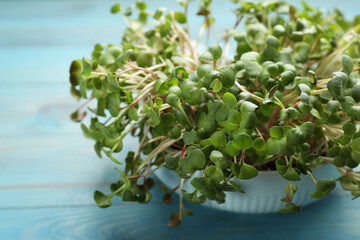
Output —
<point x="48" y="170"/>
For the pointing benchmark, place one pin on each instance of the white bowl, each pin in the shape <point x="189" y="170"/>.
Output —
<point x="262" y="193"/>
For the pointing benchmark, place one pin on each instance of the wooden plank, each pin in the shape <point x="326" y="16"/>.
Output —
<point x="55" y="159"/>
<point x="75" y="22"/>
<point x="41" y="65"/>
<point x="48" y="195"/>
<point x="338" y="220"/>
<point x="37" y="109"/>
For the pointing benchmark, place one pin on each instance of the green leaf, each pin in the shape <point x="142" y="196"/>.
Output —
<point x="343" y="77"/>
<point x="272" y="41"/>
<point x="304" y="88"/>
<point x="233" y="121"/>
<point x="355" y="156"/>
<point x="349" y="128"/>
<point x="218" y="139"/>
<point x="132" y="113"/>
<point x="216" y="51"/>
<point x="288" y="172"/>
<point x="166" y="122"/>
<point x="86" y="67"/>
<point x="213" y="53"/>
<point x="172" y="99"/>
<point x="158" y="101"/>
<point x="335" y="86"/>
<point x="171" y="162"/>
<point x="305" y="99"/>
<point x="174" y="132"/>
<point x="348" y="64"/>
<point x="229" y="100"/>
<point x="296" y="36"/>
<point x="302" y="52"/>
<point x="180" y="17"/>
<point x="276" y="132"/>
<point x="227" y="77"/>
<point x="291" y="174"/>
<point x="216" y="85"/>
<point x="343" y="155"/>
<point x="144" y="59"/>
<point x="355" y="147"/>
<point x="243" y="171"/>
<point x="247" y="110"/>
<point x="315" y="113"/>
<point x="236" y="186"/>
<point x="323" y="188"/>
<point x="242" y="141"/>
<point x="202" y="70"/>
<point x="102" y="200"/>
<point x="279" y="31"/>
<point x="250" y="57"/>
<point x="253" y="69"/>
<point x="347" y="103"/>
<point x="276" y="146"/>
<point x="115" y="8"/>
<point x="115" y="51"/>
<point x="333" y="106"/>
<point x="270" y="53"/>
<point x="114" y="104"/>
<point x="219" y="159"/>
<point x="300" y="135"/>
<point x="259" y="146"/>
<point x="158" y="13"/>
<point x="356" y="194"/>
<point x="215" y="156"/>
<point x="206" y="57"/>
<point x="209" y="78"/>
<point x="214" y="173"/>
<point x="123" y="58"/>
<point x="222" y="113"/>
<point x="77" y="116"/>
<point x="106" y="59"/>
<point x="231" y="149"/>
<point x="355" y="92"/>
<point x="289" y="113"/>
<point x="174" y="220"/>
<point x="189" y="137"/>
<point x="290" y="207"/>
<point x="198" y="183"/>
<point x="113" y="82"/>
<point x="176" y="90"/>
<point x="193" y="198"/>
<point x="287" y="77"/>
<point x="195" y="161"/>
<point x="206" y="187"/>
<point x="354" y="112"/>
<point x="140" y="5"/>
<point x="273" y="70"/>
<point x="96" y="135"/>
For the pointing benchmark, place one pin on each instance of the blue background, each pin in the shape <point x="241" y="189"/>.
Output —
<point x="48" y="170"/>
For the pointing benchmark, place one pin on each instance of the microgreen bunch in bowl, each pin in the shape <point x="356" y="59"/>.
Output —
<point x="230" y="130"/>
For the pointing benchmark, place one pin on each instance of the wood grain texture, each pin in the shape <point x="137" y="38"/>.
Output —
<point x="117" y="222"/>
<point x="48" y="170"/>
